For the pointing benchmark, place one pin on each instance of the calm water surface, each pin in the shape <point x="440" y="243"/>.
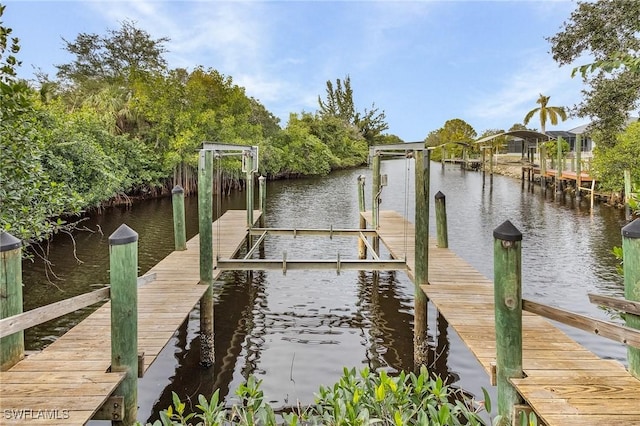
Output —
<point x="297" y="331"/>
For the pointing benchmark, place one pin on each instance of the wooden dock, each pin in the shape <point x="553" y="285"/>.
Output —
<point x="68" y="382"/>
<point x="565" y="383"/>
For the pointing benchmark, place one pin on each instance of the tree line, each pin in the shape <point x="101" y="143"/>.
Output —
<point x="116" y="122"/>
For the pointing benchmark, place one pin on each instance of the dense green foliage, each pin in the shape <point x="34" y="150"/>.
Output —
<point x="339" y="104"/>
<point x="610" y="162"/>
<point x="454" y="136"/>
<point x="361" y="398"/>
<point x="116" y="122"/>
<point x="606" y="30"/>
<point x="30" y="200"/>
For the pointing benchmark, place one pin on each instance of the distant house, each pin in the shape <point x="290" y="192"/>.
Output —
<point x="570" y="137"/>
<point x="515" y="145"/>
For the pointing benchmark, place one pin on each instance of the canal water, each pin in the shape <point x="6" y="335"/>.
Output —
<point x="297" y="331"/>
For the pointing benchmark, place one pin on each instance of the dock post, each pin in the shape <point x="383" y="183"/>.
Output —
<point x="205" y="225"/>
<point x="559" y="165"/>
<point x="249" y="183"/>
<point x="421" y="277"/>
<point x="11" y="347"/>
<point x="627" y="193"/>
<point x="484" y="163"/>
<point x="179" y="230"/>
<point x="507" y="282"/>
<point x="631" y="269"/>
<point x="262" y="198"/>
<point x="375" y="202"/>
<point x="491" y="166"/>
<point x="578" y="148"/>
<point x="362" y="247"/>
<point x="123" y="274"/>
<point x="543" y="166"/>
<point x="441" y="220"/>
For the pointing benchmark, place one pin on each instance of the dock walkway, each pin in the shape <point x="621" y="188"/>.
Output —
<point x="67" y="382"/>
<point x="565" y="384"/>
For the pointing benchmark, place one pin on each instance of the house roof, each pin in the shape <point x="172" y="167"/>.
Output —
<point x="561" y="133"/>
<point x="528" y="135"/>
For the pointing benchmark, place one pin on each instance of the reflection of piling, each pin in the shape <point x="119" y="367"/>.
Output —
<point x="123" y="272"/>
<point x="631" y="266"/>
<point x="508" y="314"/>
<point x="421" y="258"/>
<point x="11" y="347"/>
<point x="205" y="218"/>
<point x="362" y="247"/>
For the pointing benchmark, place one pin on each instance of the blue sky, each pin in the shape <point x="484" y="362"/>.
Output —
<point x="422" y="62"/>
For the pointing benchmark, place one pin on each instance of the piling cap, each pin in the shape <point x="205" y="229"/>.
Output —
<point x="507" y="232"/>
<point x="632" y="230"/>
<point x="177" y="190"/>
<point x="439" y="195"/>
<point x="123" y="235"/>
<point x="8" y="242"/>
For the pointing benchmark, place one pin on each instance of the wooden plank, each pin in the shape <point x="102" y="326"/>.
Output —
<point x="55" y="310"/>
<point x="46" y="313"/>
<point x="628" y="306"/>
<point x="619" y="333"/>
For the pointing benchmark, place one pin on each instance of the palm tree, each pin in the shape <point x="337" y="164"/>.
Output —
<point x="550" y="112"/>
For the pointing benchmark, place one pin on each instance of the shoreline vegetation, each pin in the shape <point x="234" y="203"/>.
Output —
<point x="116" y="124"/>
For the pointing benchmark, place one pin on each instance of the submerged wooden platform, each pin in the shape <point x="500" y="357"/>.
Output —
<point x="67" y="382"/>
<point x="565" y="383"/>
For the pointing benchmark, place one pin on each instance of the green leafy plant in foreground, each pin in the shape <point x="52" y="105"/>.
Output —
<point x="358" y="398"/>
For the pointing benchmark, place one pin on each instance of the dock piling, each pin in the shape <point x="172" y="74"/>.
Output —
<point x="631" y="269"/>
<point x="559" y="167"/>
<point x="249" y="183"/>
<point x="441" y="220"/>
<point x="507" y="260"/>
<point x="375" y="199"/>
<point x="11" y="347"/>
<point x="578" y="148"/>
<point x="627" y="193"/>
<point x="205" y="222"/>
<point x="123" y="272"/>
<point x="262" y="198"/>
<point x="421" y="277"/>
<point x="362" y="247"/>
<point x="179" y="230"/>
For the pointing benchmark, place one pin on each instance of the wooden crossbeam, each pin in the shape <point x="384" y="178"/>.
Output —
<point x="619" y="333"/>
<point x="37" y="316"/>
<point x="623" y="305"/>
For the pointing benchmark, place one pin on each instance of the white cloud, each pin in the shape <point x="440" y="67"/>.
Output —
<point x="509" y="103"/>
